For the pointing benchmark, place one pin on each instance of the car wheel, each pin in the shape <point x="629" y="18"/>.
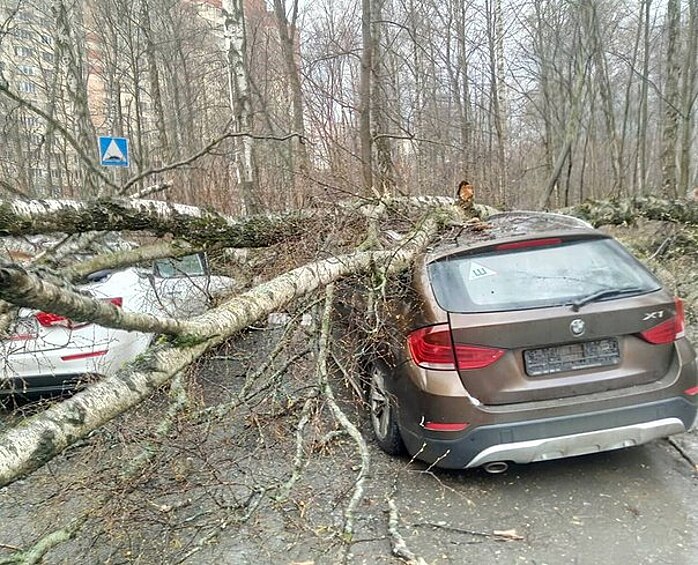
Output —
<point x="383" y="414"/>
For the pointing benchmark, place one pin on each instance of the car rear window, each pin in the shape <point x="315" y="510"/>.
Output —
<point x="537" y="277"/>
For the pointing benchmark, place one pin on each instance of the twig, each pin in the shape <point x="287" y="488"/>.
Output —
<point x="300" y="459"/>
<point x="203" y="151"/>
<point x="149" y="190"/>
<point x="662" y="248"/>
<point x="397" y="542"/>
<point x="10" y="547"/>
<point x="356" y="386"/>
<point x="339" y="415"/>
<point x="36" y="553"/>
<point x="499" y="535"/>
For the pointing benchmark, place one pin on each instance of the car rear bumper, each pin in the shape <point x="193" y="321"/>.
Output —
<point x="66" y="368"/>
<point x="38" y="384"/>
<point x="553" y="438"/>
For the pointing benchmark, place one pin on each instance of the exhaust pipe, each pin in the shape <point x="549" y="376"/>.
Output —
<point x="496" y="467"/>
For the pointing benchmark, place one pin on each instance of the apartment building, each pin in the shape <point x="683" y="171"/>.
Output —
<point x="155" y="74"/>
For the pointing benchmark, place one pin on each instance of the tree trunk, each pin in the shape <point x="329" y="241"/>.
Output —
<point x="671" y="100"/>
<point x="70" y="48"/>
<point x="154" y="76"/>
<point x="642" y="123"/>
<point x="365" y="138"/>
<point x="689" y="95"/>
<point x="188" y="222"/>
<point x="379" y="106"/>
<point x="287" y="33"/>
<point x="240" y="102"/>
<point x="571" y="129"/>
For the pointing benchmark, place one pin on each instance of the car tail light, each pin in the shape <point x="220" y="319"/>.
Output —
<point x="431" y="348"/>
<point x="49" y="320"/>
<point x="669" y="331"/>
<point x="530" y="243"/>
<point x="691" y="391"/>
<point x="476" y="357"/>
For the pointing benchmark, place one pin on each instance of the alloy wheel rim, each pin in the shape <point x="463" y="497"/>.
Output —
<point x="380" y="405"/>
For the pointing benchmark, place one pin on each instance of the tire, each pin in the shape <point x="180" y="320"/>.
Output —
<point x="383" y="413"/>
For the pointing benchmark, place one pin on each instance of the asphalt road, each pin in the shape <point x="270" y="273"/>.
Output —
<point x="633" y="506"/>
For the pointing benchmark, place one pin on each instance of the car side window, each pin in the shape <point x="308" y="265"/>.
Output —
<point x="187" y="266"/>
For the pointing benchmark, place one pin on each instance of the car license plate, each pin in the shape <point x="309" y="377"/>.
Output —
<point x="573" y="356"/>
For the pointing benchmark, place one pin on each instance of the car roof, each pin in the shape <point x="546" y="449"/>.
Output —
<point x="510" y="226"/>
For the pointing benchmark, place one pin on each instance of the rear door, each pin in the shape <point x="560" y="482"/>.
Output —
<point x="569" y="316"/>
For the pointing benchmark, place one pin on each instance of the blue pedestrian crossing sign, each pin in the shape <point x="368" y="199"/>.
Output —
<point x="113" y="151"/>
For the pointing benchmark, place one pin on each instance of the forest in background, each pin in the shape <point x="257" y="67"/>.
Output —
<point x="537" y="103"/>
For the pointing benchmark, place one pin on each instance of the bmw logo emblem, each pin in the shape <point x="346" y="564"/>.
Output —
<point x="578" y="327"/>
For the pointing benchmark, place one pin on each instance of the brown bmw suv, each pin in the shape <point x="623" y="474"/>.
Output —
<point x="537" y="339"/>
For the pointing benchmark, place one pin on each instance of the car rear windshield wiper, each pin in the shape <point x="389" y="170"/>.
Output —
<point x="606" y="293"/>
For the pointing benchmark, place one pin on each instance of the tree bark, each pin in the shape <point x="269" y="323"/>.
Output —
<point x="21" y="288"/>
<point x="671" y="100"/>
<point x="689" y="94"/>
<point x="188" y="222"/>
<point x="571" y="129"/>
<point x="241" y="102"/>
<point x="616" y="212"/>
<point x="365" y="138"/>
<point x="293" y="76"/>
<point x="121" y="259"/>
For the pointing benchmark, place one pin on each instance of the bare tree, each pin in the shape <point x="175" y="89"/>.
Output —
<point x="240" y="101"/>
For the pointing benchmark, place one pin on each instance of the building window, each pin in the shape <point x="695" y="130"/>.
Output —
<point x="48" y="57"/>
<point x="22" y="51"/>
<point x="26" y="87"/>
<point x="46" y="39"/>
<point x="29" y="121"/>
<point x="22" y="33"/>
<point x="26" y="70"/>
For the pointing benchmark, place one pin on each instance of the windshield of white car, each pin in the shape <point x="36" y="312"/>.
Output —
<point x="189" y="265"/>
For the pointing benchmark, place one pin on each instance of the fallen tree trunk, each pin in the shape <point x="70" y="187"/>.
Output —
<point x="160" y="218"/>
<point x="34" y="442"/>
<point x="615" y="212"/>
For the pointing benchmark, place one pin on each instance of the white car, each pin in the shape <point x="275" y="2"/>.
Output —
<point x="49" y="353"/>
